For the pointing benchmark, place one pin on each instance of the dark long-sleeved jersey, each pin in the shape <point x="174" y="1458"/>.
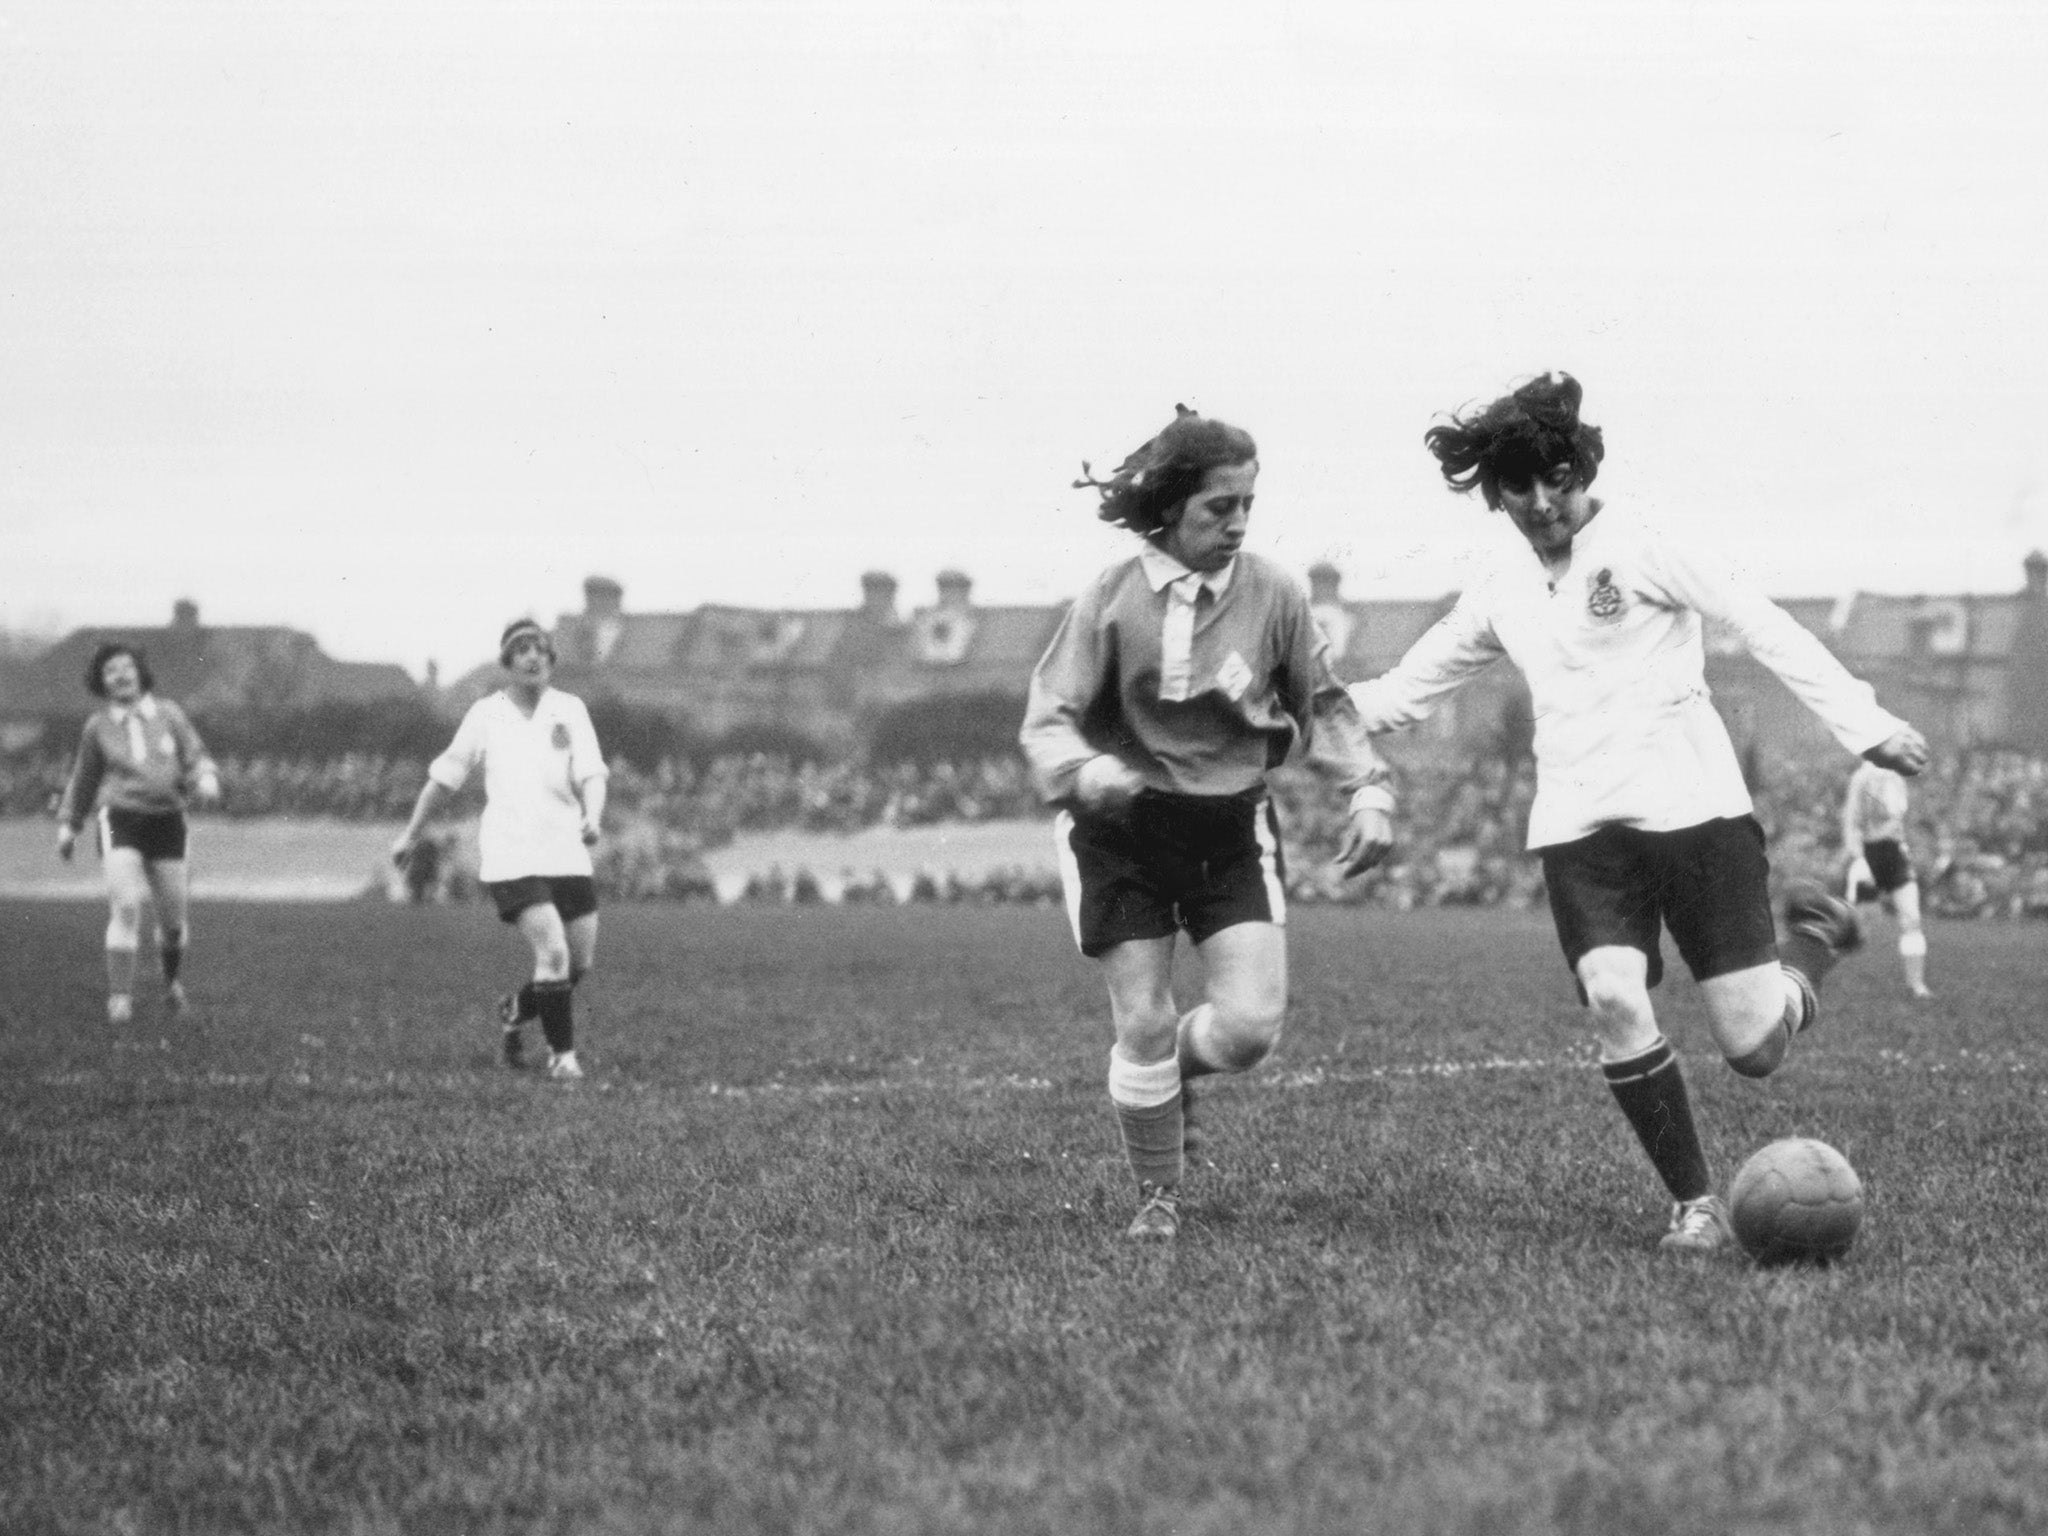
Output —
<point x="1202" y="692"/>
<point x="138" y="757"/>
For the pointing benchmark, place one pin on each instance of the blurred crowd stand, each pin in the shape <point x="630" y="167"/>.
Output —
<point x="1979" y="825"/>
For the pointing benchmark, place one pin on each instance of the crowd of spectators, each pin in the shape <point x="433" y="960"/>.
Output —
<point x="1979" y="823"/>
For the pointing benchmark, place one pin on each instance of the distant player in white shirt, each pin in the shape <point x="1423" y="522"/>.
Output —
<point x="1641" y="815"/>
<point x="544" y="792"/>
<point x="1881" y="866"/>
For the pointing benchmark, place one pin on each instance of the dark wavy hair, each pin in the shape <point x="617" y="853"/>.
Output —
<point x="1518" y="438"/>
<point x="96" y="685"/>
<point x="1150" y="485"/>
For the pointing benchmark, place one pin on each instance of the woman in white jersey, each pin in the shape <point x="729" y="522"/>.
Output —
<point x="544" y="792"/>
<point x="1175" y="682"/>
<point x="1641" y="815"/>
<point x="137" y="760"/>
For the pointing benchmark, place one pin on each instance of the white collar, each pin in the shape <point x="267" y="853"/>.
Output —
<point x="539" y="703"/>
<point x="1162" y="571"/>
<point x="144" y="706"/>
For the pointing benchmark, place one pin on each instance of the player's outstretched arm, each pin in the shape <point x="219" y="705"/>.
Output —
<point x="1904" y="751"/>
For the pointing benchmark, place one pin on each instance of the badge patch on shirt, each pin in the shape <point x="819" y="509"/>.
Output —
<point x="1603" y="597"/>
<point x="1234" y="676"/>
<point x="558" y="738"/>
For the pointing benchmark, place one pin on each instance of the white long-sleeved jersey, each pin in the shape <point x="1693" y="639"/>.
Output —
<point x="1626" y="731"/>
<point x="535" y="767"/>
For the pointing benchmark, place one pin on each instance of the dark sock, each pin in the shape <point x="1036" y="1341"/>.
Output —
<point x="1152" y="1141"/>
<point x="528" y="1007"/>
<point x="1650" y="1089"/>
<point x="555" y="1003"/>
<point x="171" y="951"/>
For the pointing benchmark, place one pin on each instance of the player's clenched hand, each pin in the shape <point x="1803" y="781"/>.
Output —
<point x="1368" y="840"/>
<point x="590" y="833"/>
<point x="66" y="841"/>
<point x="1107" y="783"/>
<point x="402" y="847"/>
<point x="1904" y="752"/>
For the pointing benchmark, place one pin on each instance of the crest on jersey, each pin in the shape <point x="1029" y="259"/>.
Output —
<point x="558" y="738"/>
<point x="1234" y="676"/>
<point x="1603" y="597"/>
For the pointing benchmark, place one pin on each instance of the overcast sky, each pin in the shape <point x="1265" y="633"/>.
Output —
<point x="391" y="321"/>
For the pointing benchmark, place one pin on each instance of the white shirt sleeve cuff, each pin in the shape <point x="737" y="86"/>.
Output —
<point x="1372" y="797"/>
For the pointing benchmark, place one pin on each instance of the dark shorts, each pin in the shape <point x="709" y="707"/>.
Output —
<point x="1171" y="862"/>
<point x="1709" y="884"/>
<point x="156" y="835"/>
<point x="573" y="896"/>
<point x="1891" y="867"/>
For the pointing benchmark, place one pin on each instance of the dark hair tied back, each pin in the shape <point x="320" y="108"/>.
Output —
<point x="1166" y="470"/>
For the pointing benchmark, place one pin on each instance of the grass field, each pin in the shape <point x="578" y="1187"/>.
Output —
<point x="830" y="1242"/>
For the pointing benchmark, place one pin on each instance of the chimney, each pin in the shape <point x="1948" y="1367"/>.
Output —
<point x="2036" y="567"/>
<point x="878" y="597"/>
<point x="184" y="614"/>
<point x="1323" y="581"/>
<point x="954" y="589"/>
<point x="603" y="598"/>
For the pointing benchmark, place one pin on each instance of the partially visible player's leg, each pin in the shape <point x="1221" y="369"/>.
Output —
<point x="1235" y="908"/>
<point x="1753" y="1013"/>
<point x="1238" y="1023"/>
<point x="1760" y="988"/>
<point x="127" y="891"/>
<point x="1905" y="905"/>
<point x="1642" y="1070"/>
<point x="1114" y="881"/>
<point x="170" y="886"/>
<point x="540" y="924"/>
<point x="1144" y="1076"/>
<point x="1603" y="897"/>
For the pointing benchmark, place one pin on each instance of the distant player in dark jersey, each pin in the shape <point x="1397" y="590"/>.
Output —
<point x="1641" y="814"/>
<point x="1176" y="681"/>
<point x="1880" y="863"/>
<point x="138" y="761"/>
<point x="544" y="794"/>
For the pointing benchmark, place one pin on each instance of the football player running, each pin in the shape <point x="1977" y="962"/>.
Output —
<point x="1880" y="864"/>
<point x="1174" y="683"/>
<point x="1641" y="815"/>
<point x="137" y="760"/>
<point x="544" y="794"/>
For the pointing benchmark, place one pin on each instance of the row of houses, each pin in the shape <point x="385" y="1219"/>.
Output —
<point x="1970" y="669"/>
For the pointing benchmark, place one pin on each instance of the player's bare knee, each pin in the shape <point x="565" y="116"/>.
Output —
<point x="1764" y="1059"/>
<point x="1614" y="995"/>
<point x="1146" y="1034"/>
<point x="1245" y="1037"/>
